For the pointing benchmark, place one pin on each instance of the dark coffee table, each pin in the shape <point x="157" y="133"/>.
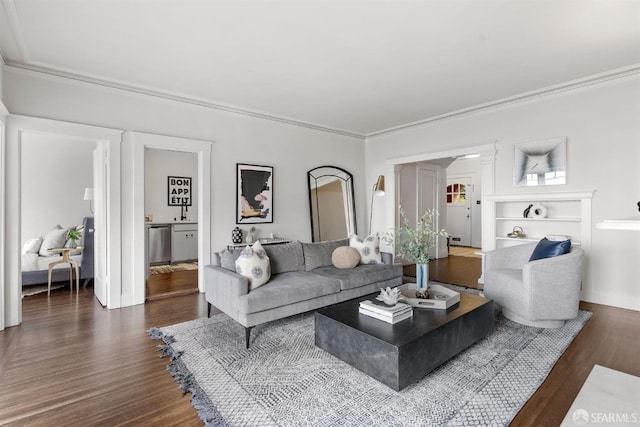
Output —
<point x="401" y="354"/>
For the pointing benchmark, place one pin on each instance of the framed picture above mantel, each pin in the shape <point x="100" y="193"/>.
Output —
<point x="254" y="194"/>
<point x="540" y="163"/>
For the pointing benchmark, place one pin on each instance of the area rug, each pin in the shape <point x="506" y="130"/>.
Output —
<point x="161" y="269"/>
<point x="284" y="380"/>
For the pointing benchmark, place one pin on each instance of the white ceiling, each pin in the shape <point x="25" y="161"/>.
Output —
<point x="355" y="66"/>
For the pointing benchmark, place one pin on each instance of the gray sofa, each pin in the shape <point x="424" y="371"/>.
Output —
<point x="303" y="278"/>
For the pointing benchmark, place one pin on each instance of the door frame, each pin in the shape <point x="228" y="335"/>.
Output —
<point x="16" y="126"/>
<point x="486" y="150"/>
<point x="133" y="249"/>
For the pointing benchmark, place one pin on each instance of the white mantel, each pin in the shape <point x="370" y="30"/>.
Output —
<point x="628" y="224"/>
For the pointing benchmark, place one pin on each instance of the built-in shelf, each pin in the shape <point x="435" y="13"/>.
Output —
<point x="567" y="213"/>
<point x="528" y="239"/>
<point x="568" y="219"/>
<point x="625" y="224"/>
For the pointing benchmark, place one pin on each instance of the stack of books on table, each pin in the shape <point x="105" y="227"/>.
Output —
<point x="389" y="314"/>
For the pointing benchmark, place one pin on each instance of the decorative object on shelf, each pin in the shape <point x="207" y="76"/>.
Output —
<point x="525" y="214"/>
<point x="638" y="206"/>
<point x="236" y="235"/>
<point x="413" y="244"/>
<point x="389" y="296"/>
<point x="540" y="163"/>
<point x="538" y="211"/>
<point x="517" y="232"/>
<point x="251" y="235"/>
<point x="254" y="194"/>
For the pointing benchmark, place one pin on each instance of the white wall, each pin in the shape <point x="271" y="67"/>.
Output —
<point x="291" y="150"/>
<point x="602" y="126"/>
<point x="158" y="166"/>
<point x="55" y="172"/>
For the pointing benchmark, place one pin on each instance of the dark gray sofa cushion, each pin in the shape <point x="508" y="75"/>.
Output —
<point x="361" y="275"/>
<point x="287" y="288"/>
<point x="319" y="254"/>
<point x="285" y="257"/>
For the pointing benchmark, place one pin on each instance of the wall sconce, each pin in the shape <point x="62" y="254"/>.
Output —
<point x="378" y="190"/>
<point x="88" y="195"/>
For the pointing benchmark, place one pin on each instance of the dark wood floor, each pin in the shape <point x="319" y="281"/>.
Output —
<point x="71" y="362"/>
<point x="167" y="285"/>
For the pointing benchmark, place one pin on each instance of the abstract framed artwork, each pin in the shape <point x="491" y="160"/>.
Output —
<point x="540" y="163"/>
<point x="254" y="194"/>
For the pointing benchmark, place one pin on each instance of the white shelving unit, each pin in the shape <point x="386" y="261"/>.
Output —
<point x="568" y="213"/>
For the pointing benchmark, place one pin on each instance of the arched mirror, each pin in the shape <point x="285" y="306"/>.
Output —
<point x="331" y="200"/>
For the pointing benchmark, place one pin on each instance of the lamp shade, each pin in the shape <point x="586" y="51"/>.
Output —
<point x="379" y="187"/>
<point x="88" y="193"/>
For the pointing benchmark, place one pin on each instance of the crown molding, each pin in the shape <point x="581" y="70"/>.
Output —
<point x="596" y="79"/>
<point x="201" y="102"/>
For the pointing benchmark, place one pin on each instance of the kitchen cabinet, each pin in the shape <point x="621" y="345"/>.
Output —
<point x="184" y="242"/>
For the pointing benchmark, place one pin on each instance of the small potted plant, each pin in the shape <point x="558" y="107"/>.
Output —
<point x="73" y="235"/>
<point x="413" y="245"/>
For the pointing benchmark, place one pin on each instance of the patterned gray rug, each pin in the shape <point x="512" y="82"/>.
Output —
<point x="284" y="380"/>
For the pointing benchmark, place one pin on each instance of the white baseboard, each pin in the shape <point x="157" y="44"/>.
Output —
<point x="615" y="300"/>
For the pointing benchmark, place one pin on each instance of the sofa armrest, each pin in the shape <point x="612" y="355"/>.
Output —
<point x="223" y="288"/>
<point x="554" y="284"/>
<point x="512" y="257"/>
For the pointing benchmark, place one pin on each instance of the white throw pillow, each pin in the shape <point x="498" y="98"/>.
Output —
<point x="253" y="263"/>
<point x="32" y="246"/>
<point x="369" y="248"/>
<point x="56" y="238"/>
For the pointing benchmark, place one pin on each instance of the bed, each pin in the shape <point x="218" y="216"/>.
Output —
<point x="35" y="267"/>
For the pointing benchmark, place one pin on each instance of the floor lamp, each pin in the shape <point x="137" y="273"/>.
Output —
<point x="378" y="190"/>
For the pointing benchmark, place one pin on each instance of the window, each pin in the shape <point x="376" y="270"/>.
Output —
<point x="456" y="193"/>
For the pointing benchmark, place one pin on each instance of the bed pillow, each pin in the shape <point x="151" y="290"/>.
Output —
<point x="253" y="263"/>
<point x="369" y="248"/>
<point x="56" y="238"/>
<point x="547" y="249"/>
<point x="32" y="246"/>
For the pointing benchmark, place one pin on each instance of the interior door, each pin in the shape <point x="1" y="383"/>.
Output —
<point x="459" y="210"/>
<point x="100" y="191"/>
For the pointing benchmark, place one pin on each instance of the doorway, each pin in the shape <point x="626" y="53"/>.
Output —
<point x="56" y="171"/>
<point x="133" y="209"/>
<point x="171" y="249"/>
<point x="17" y="128"/>
<point x="397" y="179"/>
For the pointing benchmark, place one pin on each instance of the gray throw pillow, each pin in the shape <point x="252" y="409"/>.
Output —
<point x="319" y="254"/>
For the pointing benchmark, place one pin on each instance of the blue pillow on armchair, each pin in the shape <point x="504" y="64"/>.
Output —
<point x="547" y="249"/>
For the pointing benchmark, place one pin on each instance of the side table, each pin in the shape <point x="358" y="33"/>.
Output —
<point x="72" y="264"/>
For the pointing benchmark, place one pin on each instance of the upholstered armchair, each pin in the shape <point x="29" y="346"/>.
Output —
<point x="541" y="293"/>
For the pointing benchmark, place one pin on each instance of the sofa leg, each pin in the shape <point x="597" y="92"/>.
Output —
<point x="247" y="334"/>
<point x="208" y="309"/>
